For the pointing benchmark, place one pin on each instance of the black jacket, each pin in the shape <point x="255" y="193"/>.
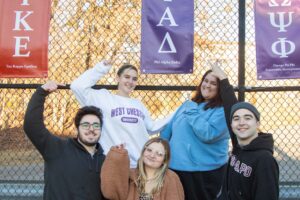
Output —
<point x="71" y="173"/>
<point x="252" y="172"/>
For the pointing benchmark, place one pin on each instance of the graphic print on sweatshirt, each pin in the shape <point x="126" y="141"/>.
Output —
<point x="240" y="167"/>
<point x="127" y="115"/>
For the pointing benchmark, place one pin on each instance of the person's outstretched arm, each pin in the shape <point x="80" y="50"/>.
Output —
<point x="166" y="132"/>
<point x="82" y="86"/>
<point x="115" y="174"/>
<point x="155" y="126"/>
<point x="34" y="126"/>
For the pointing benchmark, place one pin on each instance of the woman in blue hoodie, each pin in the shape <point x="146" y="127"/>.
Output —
<point x="198" y="137"/>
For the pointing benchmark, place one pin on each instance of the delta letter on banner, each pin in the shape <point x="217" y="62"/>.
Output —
<point x="277" y="29"/>
<point x="24" y="27"/>
<point x="167" y="36"/>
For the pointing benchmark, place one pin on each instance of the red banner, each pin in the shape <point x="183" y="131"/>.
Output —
<point x="24" y="28"/>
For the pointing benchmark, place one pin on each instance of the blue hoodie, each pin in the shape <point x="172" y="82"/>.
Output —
<point x="198" y="138"/>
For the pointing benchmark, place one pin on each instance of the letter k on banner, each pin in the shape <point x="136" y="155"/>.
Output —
<point x="167" y="36"/>
<point x="24" y="28"/>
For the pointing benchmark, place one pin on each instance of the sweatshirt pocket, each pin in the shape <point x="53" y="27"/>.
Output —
<point x="193" y="156"/>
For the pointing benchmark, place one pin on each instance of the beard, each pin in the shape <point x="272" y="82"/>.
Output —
<point x="87" y="143"/>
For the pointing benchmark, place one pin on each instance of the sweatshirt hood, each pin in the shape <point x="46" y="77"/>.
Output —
<point x="264" y="141"/>
<point x="98" y="154"/>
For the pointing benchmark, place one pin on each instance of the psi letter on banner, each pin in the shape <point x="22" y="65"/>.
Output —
<point x="24" y="38"/>
<point x="277" y="27"/>
<point x="167" y="36"/>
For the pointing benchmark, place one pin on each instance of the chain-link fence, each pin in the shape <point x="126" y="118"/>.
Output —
<point x="83" y="32"/>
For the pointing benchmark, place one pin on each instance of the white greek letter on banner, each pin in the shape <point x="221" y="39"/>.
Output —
<point x="273" y="3"/>
<point x="20" y="45"/>
<point x="283" y="53"/>
<point x="169" y="17"/>
<point x="167" y="39"/>
<point x="281" y="20"/>
<point x="25" y="3"/>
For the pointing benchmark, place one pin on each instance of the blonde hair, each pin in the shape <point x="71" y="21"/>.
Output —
<point x="160" y="173"/>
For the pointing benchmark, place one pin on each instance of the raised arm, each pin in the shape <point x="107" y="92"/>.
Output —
<point x="228" y="97"/>
<point x="34" y="126"/>
<point x="166" y="132"/>
<point x="82" y="86"/>
<point x="115" y="174"/>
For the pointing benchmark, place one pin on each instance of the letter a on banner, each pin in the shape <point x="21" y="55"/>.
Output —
<point x="167" y="36"/>
<point x="24" y="38"/>
<point x="277" y="28"/>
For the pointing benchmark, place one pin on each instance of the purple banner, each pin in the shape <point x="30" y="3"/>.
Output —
<point x="277" y="28"/>
<point x="167" y="36"/>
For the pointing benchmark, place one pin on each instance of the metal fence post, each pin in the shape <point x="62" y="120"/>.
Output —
<point x="241" y="52"/>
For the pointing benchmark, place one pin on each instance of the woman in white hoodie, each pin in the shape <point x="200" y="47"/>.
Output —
<point x="127" y="120"/>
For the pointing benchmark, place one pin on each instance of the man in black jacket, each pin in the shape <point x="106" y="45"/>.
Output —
<point x="252" y="171"/>
<point x="72" y="166"/>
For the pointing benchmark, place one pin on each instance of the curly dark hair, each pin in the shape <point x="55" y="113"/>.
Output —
<point x="88" y="110"/>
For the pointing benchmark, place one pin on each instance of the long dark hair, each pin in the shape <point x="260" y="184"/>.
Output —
<point x="214" y="102"/>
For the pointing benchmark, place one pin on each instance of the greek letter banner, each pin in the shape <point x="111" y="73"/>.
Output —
<point x="167" y="36"/>
<point x="277" y="28"/>
<point x="24" y="28"/>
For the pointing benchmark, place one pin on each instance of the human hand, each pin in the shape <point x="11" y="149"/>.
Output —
<point x="120" y="146"/>
<point x="51" y="86"/>
<point x="217" y="71"/>
<point x="106" y="64"/>
<point x="109" y="59"/>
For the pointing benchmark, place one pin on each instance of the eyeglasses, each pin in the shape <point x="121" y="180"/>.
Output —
<point x="156" y="153"/>
<point x="87" y="126"/>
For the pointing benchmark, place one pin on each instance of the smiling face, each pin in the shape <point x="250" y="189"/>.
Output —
<point x="89" y="130"/>
<point x="154" y="155"/>
<point x="245" y="126"/>
<point x="127" y="82"/>
<point x="209" y="87"/>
